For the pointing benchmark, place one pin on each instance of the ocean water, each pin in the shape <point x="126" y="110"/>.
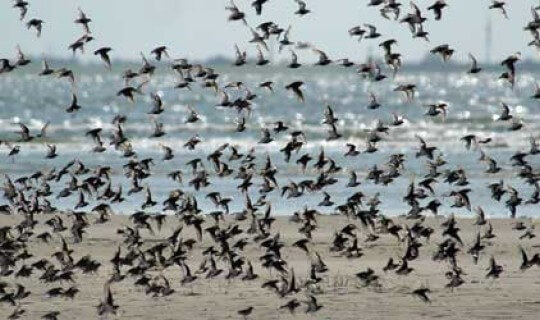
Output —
<point x="474" y="103"/>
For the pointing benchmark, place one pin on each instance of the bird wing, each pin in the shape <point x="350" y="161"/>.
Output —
<point x="474" y="62"/>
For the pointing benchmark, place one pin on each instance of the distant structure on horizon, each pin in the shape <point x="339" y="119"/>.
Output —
<point x="489" y="40"/>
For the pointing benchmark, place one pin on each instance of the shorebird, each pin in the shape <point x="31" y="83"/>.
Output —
<point x="36" y="24"/>
<point x="245" y="313"/>
<point x="444" y="51"/>
<point x="104" y="55"/>
<point x="45" y="69"/>
<point x="474" y="65"/>
<point x="23" y="8"/>
<point x="74" y="106"/>
<point x="294" y="61"/>
<point x="6" y="66"/>
<point x="422" y="293"/>
<point x="83" y="20"/>
<point x="295" y="88"/>
<point x="159" y="52"/>
<point x="437" y="8"/>
<point x="302" y="8"/>
<point x="323" y="58"/>
<point x="234" y="13"/>
<point x="500" y="5"/>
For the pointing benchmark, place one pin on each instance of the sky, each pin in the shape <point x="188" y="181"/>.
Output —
<point x="198" y="29"/>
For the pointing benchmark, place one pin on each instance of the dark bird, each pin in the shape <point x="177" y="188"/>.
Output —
<point x="159" y="52"/>
<point x="444" y="51"/>
<point x="474" y="69"/>
<point x="494" y="270"/>
<point x="258" y="6"/>
<point x="295" y="88"/>
<point x="45" y="69"/>
<point x="103" y="53"/>
<point x="23" y="8"/>
<point x="422" y="293"/>
<point x="84" y="21"/>
<point x="437" y="8"/>
<point x="36" y="24"/>
<point x="499" y="5"/>
<point x="294" y="61"/>
<point x="234" y="13"/>
<point x="74" y="106"/>
<point x="24" y="133"/>
<point x="245" y="312"/>
<point x="526" y="263"/>
<point x="372" y="32"/>
<point x="302" y="8"/>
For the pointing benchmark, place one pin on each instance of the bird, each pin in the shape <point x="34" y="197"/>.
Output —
<point x="83" y="20"/>
<point x="527" y="263"/>
<point x="21" y="58"/>
<point x="422" y="294"/>
<point x="74" y="106"/>
<point x="36" y="24"/>
<point x="241" y="56"/>
<point x="474" y="69"/>
<point x="499" y="5"/>
<point x="107" y="305"/>
<point x="129" y="92"/>
<point x="372" y="32"/>
<point x="437" y="8"/>
<point x="103" y="53"/>
<point x="51" y="153"/>
<point x="261" y="61"/>
<point x="358" y="32"/>
<point x="157" y="104"/>
<point x="373" y="103"/>
<point x="245" y="312"/>
<point x="494" y="270"/>
<point x="53" y="315"/>
<point x="294" y="61"/>
<point x="6" y="66"/>
<point x="302" y="8"/>
<point x="235" y="13"/>
<point x="323" y="58"/>
<point x="159" y="52"/>
<point x="295" y="88"/>
<point x="45" y="69"/>
<point x="505" y="115"/>
<point x="23" y="8"/>
<point x="444" y="51"/>
<point x="258" y="6"/>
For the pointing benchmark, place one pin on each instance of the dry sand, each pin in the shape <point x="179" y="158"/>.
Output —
<point x="516" y="295"/>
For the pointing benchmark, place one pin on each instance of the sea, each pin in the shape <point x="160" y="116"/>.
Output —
<point x="474" y="104"/>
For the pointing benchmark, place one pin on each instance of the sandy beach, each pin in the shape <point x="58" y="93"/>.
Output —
<point x="343" y="296"/>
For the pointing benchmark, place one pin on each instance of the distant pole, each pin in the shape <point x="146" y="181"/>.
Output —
<point x="489" y="40"/>
<point x="272" y="51"/>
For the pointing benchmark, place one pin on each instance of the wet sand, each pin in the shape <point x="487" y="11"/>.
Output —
<point x="515" y="295"/>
